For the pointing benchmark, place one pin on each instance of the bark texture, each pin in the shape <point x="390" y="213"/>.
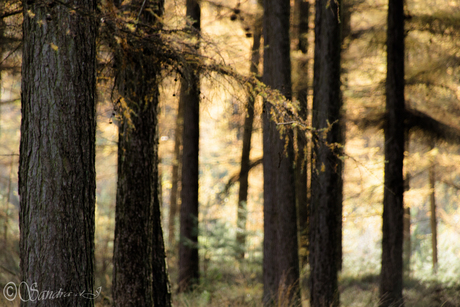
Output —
<point x="326" y="173"/>
<point x="139" y="276"/>
<point x="392" y="227"/>
<point x="245" y="162"/>
<point x="281" y="262"/>
<point x="189" y="270"/>
<point x="57" y="152"/>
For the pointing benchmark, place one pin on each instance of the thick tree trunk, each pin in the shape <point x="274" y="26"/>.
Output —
<point x="57" y="151"/>
<point x="392" y="242"/>
<point x="188" y="247"/>
<point x="245" y="162"/>
<point x="139" y="276"/>
<point x="176" y="176"/>
<point x="281" y="262"/>
<point x="326" y="178"/>
<point x="433" y="221"/>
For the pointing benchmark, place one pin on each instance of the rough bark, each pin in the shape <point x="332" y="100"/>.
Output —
<point x="139" y="275"/>
<point x="176" y="176"/>
<point x="245" y="162"/>
<point x="392" y="263"/>
<point x="326" y="173"/>
<point x="280" y="269"/>
<point x="57" y="151"/>
<point x="188" y="246"/>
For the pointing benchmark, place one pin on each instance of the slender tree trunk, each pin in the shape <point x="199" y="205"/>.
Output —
<point x="188" y="247"/>
<point x="302" y="11"/>
<point x="57" y="151"/>
<point x="407" y="249"/>
<point x="391" y="284"/>
<point x="176" y="177"/>
<point x="139" y="275"/>
<point x="326" y="181"/>
<point x="433" y="222"/>
<point x="247" y="135"/>
<point x="281" y="262"/>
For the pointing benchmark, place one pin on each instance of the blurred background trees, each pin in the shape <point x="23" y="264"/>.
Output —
<point x="229" y="31"/>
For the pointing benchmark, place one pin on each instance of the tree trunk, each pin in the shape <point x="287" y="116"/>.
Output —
<point x="326" y="178"/>
<point x="188" y="247"/>
<point x="302" y="11"/>
<point x="176" y="176"/>
<point x="247" y="135"/>
<point x="139" y="275"/>
<point x="57" y="152"/>
<point x="407" y="249"/>
<point x="281" y="269"/>
<point x="392" y="242"/>
<point x="433" y="222"/>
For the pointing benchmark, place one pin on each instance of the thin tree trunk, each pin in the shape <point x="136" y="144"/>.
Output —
<point x="391" y="282"/>
<point x="176" y="177"/>
<point x="188" y="248"/>
<point x="57" y="179"/>
<point x="302" y="11"/>
<point x="433" y="222"/>
<point x="281" y="259"/>
<point x="407" y="249"/>
<point x="139" y="275"/>
<point x="247" y="135"/>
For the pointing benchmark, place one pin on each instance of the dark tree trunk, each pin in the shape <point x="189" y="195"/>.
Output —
<point x="326" y="173"/>
<point x="281" y="261"/>
<point x="302" y="11"/>
<point x="139" y="275"/>
<point x="57" y="151"/>
<point x="407" y="249"/>
<point x="392" y="263"/>
<point x="176" y="176"/>
<point x="188" y="246"/>
<point x="247" y="135"/>
<point x="433" y="222"/>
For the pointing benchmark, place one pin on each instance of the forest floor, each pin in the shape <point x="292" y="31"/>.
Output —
<point x="357" y="292"/>
<point x="244" y="289"/>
